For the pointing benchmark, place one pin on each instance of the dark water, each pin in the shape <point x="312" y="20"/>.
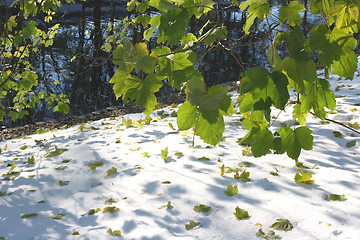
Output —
<point x="86" y="80"/>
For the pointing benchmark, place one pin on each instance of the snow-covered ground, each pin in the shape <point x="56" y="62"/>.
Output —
<point x="136" y="191"/>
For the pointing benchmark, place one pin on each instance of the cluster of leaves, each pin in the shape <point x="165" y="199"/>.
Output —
<point x="141" y="70"/>
<point x="20" y="36"/>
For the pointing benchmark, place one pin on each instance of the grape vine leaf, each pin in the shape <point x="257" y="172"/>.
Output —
<point x="282" y="224"/>
<point x="318" y="95"/>
<point x="291" y="13"/>
<point x="263" y="142"/>
<point x="172" y="25"/>
<point x="145" y="93"/>
<point x="187" y="116"/>
<point x="241" y="214"/>
<point x="293" y="141"/>
<point x="231" y="190"/>
<point x="210" y="127"/>
<point x="257" y="9"/>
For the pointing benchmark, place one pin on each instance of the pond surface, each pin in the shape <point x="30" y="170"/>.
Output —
<point x="83" y="29"/>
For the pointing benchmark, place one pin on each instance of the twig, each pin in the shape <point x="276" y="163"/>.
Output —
<point x="341" y="124"/>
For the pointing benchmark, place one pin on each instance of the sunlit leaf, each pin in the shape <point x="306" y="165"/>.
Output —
<point x="231" y="190"/>
<point x="93" y="211"/>
<point x="56" y="152"/>
<point x="303" y="177"/>
<point x="268" y="235"/>
<point x="202" y="208"/>
<point x="58" y="216"/>
<point x="336" y="197"/>
<point x="282" y="224"/>
<point x="110" y="172"/>
<point x="192" y="225"/>
<point x="114" y="232"/>
<point x="95" y="164"/>
<point x="110" y="209"/>
<point x="241" y="214"/>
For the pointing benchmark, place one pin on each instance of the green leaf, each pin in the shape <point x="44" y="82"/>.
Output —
<point x="300" y="114"/>
<point x="164" y="153"/>
<point x="202" y="208"/>
<point x="291" y="13"/>
<point x="244" y="176"/>
<point x="195" y="89"/>
<point x="62" y="168"/>
<point x="214" y="97"/>
<point x="114" y="232"/>
<point x="351" y="144"/>
<point x="63" y="183"/>
<point x="145" y="93"/>
<point x="282" y="224"/>
<point x="241" y="214"/>
<point x="192" y="225"/>
<point x="40" y="131"/>
<point x="347" y="65"/>
<point x="56" y="152"/>
<point x="268" y="235"/>
<point x="293" y="141"/>
<point x="110" y="209"/>
<point x="181" y="61"/>
<point x="96" y="164"/>
<point x="93" y="211"/>
<point x="263" y="142"/>
<point x="146" y="64"/>
<point x="231" y="190"/>
<point x="257" y="9"/>
<point x="30" y="215"/>
<point x="187" y="116"/>
<point x="110" y="172"/>
<point x="172" y="25"/>
<point x="204" y="159"/>
<point x="303" y="177"/>
<point x="336" y="197"/>
<point x="319" y="95"/>
<point x="126" y="122"/>
<point x="82" y="126"/>
<point x="30" y="29"/>
<point x="210" y="127"/>
<point x="58" y="216"/>
<point x="338" y="134"/>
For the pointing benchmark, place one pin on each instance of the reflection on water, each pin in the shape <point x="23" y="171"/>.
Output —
<point x="86" y="79"/>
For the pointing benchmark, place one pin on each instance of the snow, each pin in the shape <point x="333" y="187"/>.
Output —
<point x="140" y="191"/>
